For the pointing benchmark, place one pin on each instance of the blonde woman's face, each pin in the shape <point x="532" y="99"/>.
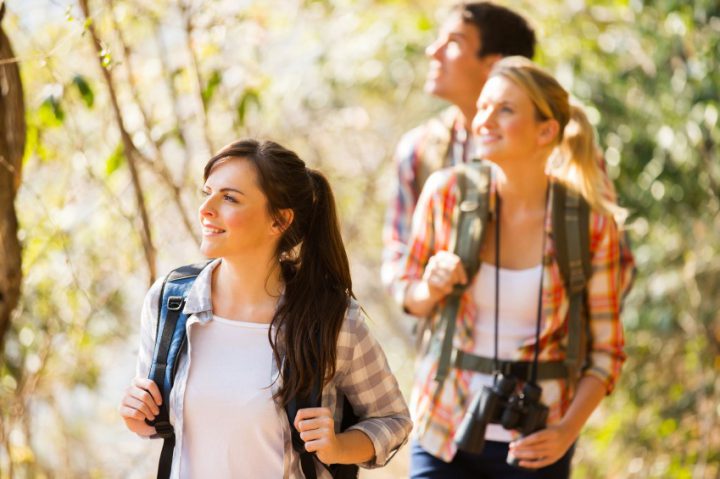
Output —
<point x="506" y="127"/>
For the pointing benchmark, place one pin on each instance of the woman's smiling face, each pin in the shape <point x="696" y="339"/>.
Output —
<point x="506" y="125"/>
<point x="234" y="214"/>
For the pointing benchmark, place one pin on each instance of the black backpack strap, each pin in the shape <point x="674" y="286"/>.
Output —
<point x="472" y="209"/>
<point x="169" y="344"/>
<point x="571" y="231"/>
<point x="307" y="459"/>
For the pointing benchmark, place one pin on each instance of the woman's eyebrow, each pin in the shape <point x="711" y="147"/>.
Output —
<point x="224" y="190"/>
<point x="234" y="190"/>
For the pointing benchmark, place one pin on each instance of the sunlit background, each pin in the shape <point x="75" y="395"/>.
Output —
<point x="339" y="82"/>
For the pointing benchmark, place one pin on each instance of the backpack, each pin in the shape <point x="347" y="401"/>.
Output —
<point x="570" y="225"/>
<point x="171" y="343"/>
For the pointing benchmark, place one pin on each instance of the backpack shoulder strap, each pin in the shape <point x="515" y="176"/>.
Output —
<point x="434" y="146"/>
<point x="471" y="215"/>
<point x="571" y="232"/>
<point x="169" y="344"/>
<point x="307" y="463"/>
<point x="307" y="459"/>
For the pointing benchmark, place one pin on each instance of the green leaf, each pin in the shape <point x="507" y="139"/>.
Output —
<point x="211" y="86"/>
<point x="84" y="89"/>
<point x="51" y="113"/>
<point x="250" y="97"/>
<point x="115" y="160"/>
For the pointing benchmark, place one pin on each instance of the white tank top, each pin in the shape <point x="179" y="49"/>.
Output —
<point x="517" y="319"/>
<point x="231" y="425"/>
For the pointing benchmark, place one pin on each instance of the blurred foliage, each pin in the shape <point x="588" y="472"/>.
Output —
<point x="339" y="81"/>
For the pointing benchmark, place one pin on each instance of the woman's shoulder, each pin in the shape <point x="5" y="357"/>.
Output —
<point x="200" y="286"/>
<point x="357" y="347"/>
<point x="354" y="332"/>
<point x="355" y="321"/>
<point x="152" y="297"/>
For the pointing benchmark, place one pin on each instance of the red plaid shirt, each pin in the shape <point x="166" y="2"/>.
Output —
<point x="436" y="422"/>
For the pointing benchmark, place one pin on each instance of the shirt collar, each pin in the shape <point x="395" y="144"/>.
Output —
<point x="199" y="299"/>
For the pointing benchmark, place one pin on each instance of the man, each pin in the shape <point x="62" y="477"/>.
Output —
<point x="469" y="43"/>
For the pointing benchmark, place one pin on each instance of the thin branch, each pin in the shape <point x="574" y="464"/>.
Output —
<point x="158" y="165"/>
<point x="128" y="146"/>
<point x="187" y="16"/>
<point x="174" y="98"/>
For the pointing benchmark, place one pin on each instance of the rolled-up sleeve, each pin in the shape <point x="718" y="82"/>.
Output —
<point x="605" y="291"/>
<point x="398" y="217"/>
<point x="431" y="226"/>
<point x="148" y="330"/>
<point x="372" y="390"/>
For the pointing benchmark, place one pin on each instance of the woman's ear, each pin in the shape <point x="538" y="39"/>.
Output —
<point x="282" y="221"/>
<point x="549" y="130"/>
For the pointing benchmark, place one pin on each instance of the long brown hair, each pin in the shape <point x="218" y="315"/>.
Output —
<point x="575" y="160"/>
<point x="313" y="262"/>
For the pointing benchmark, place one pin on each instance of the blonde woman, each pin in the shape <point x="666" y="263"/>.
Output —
<point x="526" y="126"/>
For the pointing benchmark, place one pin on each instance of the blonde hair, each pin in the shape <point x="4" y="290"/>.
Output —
<point x="575" y="160"/>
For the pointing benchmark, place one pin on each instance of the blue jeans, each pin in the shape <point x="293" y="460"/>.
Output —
<point x="490" y="464"/>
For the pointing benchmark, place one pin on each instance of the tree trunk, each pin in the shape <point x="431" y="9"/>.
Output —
<point x="12" y="146"/>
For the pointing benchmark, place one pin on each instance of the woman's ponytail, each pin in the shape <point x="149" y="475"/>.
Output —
<point x="317" y="288"/>
<point x="578" y="163"/>
<point x="322" y="245"/>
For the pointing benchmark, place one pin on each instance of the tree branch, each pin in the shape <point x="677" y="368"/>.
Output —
<point x="128" y="147"/>
<point x="158" y="164"/>
<point x="187" y="16"/>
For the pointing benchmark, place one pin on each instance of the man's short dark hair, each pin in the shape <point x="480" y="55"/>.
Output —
<point x="502" y="31"/>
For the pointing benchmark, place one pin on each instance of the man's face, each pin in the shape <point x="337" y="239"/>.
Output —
<point x="456" y="72"/>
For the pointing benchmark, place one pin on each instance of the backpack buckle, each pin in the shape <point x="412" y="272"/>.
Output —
<point x="175" y="303"/>
<point x="164" y="429"/>
<point x="468" y="206"/>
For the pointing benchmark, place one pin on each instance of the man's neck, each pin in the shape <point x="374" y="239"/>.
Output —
<point x="467" y="113"/>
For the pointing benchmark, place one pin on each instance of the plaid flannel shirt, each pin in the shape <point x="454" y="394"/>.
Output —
<point x="362" y="374"/>
<point x="436" y="422"/>
<point x="442" y="135"/>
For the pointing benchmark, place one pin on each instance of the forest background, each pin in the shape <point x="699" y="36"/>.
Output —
<point x="124" y="100"/>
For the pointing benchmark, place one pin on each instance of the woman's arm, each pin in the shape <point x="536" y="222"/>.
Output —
<point x="443" y="271"/>
<point x="550" y="444"/>
<point x="365" y="378"/>
<point x="142" y="397"/>
<point x="317" y="429"/>
<point x="605" y="358"/>
<point x="430" y="271"/>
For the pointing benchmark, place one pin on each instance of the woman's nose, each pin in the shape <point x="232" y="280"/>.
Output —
<point x="433" y="50"/>
<point x="206" y="207"/>
<point x="481" y="119"/>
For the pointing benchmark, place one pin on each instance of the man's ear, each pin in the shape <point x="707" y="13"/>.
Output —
<point x="283" y="221"/>
<point x="491" y="59"/>
<point x="549" y="130"/>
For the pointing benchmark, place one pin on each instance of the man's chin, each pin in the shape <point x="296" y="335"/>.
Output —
<point x="433" y="88"/>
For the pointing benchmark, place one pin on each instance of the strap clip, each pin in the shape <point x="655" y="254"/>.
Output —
<point x="164" y="429"/>
<point x="175" y="303"/>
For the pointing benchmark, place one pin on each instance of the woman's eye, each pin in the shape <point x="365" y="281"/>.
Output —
<point x="204" y="193"/>
<point x="229" y="198"/>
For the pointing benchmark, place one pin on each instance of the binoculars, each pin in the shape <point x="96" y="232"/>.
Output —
<point x="501" y="404"/>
